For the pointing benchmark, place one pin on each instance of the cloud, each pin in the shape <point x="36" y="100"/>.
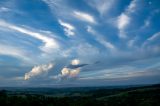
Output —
<point x="148" y="20"/>
<point x="57" y="8"/>
<point x="68" y="72"/>
<point x="4" y="9"/>
<point x="38" y="70"/>
<point x="100" y="39"/>
<point x="84" y="17"/>
<point x="82" y="50"/>
<point x="132" y="6"/>
<point x="124" y="19"/>
<point x="68" y="28"/>
<point x="49" y="43"/>
<point x="76" y="66"/>
<point x="67" y="12"/>
<point x="103" y="6"/>
<point x="154" y="36"/>
<point x="75" y="62"/>
<point x="132" y="42"/>
<point x="151" y="39"/>
<point x="146" y="23"/>
<point x="13" y="51"/>
<point x="129" y="71"/>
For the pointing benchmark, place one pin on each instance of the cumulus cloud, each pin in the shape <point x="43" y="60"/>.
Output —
<point x="49" y="43"/>
<point x="69" y="73"/>
<point x="84" y="16"/>
<point x="38" y="70"/>
<point x="75" y="62"/>
<point x="68" y="28"/>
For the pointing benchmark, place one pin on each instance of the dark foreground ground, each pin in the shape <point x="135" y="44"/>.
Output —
<point x="91" y="96"/>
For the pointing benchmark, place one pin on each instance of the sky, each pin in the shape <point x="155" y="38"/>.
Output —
<point x="59" y="43"/>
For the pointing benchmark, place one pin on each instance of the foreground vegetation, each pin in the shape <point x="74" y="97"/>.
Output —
<point x="137" y="96"/>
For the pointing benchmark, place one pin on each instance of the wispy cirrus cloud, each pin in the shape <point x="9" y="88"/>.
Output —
<point x="124" y="19"/>
<point x="148" y="20"/>
<point x="68" y="28"/>
<point x="49" y="43"/>
<point x="84" y="17"/>
<point x="13" y="51"/>
<point x="154" y="36"/>
<point x="100" y="39"/>
<point x="4" y="9"/>
<point x="151" y="39"/>
<point x="103" y="6"/>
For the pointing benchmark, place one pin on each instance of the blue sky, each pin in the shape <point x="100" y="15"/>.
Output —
<point x="79" y="42"/>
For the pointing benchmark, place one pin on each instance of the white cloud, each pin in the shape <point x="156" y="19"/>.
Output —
<point x="75" y="62"/>
<point x="106" y="44"/>
<point x="124" y="19"/>
<point x="132" y="43"/>
<point x="154" y="36"/>
<point x="82" y="49"/>
<point x="74" y="72"/>
<point x="4" y="9"/>
<point x="87" y="50"/>
<point x="49" y="43"/>
<point x="148" y="20"/>
<point x="84" y="17"/>
<point x="102" y="6"/>
<point x="14" y="52"/>
<point x="68" y="28"/>
<point x="67" y="73"/>
<point x="101" y="39"/>
<point x="148" y="45"/>
<point x="38" y="70"/>
<point x="132" y="6"/>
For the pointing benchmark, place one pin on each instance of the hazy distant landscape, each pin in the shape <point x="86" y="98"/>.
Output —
<point x="147" y="95"/>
